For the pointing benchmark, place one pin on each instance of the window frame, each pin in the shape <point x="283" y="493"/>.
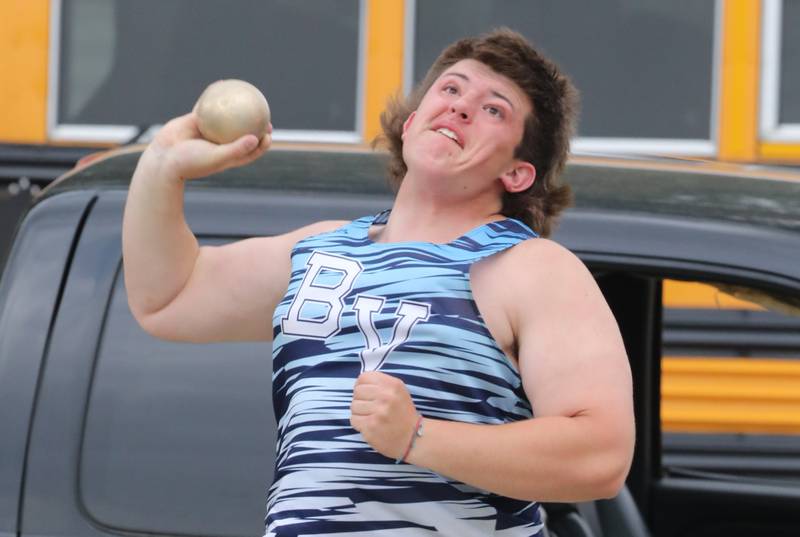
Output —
<point x="66" y="132"/>
<point x="770" y="127"/>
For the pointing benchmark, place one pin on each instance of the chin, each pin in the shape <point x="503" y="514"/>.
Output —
<point x="432" y="164"/>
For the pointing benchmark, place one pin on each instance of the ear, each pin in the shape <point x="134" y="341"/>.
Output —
<point x="519" y="177"/>
<point x="407" y="122"/>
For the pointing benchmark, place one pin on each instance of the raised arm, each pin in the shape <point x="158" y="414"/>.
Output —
<point x="176" y="289"/>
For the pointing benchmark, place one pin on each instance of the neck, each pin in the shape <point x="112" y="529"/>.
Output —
<point x="422" y="215"/>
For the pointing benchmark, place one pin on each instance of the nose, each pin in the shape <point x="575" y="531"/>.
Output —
<point x="460" y="113"/>
<point x="461" y="108"/>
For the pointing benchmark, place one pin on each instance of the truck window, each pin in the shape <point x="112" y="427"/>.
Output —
<point x="730" y="380"/>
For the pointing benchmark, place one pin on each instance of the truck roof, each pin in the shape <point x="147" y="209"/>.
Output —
<point x="746" y="194"/>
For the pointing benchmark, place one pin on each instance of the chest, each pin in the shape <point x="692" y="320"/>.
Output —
<point x="381" y="302"/>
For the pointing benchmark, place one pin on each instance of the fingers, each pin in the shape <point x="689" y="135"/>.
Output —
<point x="265" y="144"/>
<point x="251" y="150"/>
<point x="367" y="399"/>
<point x="243" y="146"/>
<point x="240" y="152"/>
<point x="362" y="408"/>
<point x="367" y="392"/>
<point x="357" y="422"/>
<point x="180" y="145"/>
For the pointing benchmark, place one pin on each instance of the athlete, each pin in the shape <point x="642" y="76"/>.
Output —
<point x="438" y="368"/>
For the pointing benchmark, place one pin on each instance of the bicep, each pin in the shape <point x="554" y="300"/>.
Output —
<point x="233" y="290"/>
<point x="571" y="355"/>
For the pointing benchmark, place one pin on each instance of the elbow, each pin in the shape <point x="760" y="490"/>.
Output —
<point x="605" y="470"/>
<point x="146" y="312"/>
<point x="613" y="462"/>
<point x="595" y="477"/>
<point x="611" y="485"/>
<point x="612" y="470"/>
<point x="174" y="323"/>
<point x="603" y="480"/>
<point x="146" y="321"/>
<point x="152" y="323"/>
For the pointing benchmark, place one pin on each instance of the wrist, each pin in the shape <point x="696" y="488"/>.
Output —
<point x="416" y="434"/>
<point x="156" y="165"/>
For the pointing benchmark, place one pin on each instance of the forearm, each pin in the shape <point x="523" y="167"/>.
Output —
<point x="159" y="250"/>
<point x="544" y="459"/>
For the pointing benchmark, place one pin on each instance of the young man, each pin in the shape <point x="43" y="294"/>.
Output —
<point x="434" y="369"/>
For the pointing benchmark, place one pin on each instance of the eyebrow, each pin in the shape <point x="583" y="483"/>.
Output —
<point x="495" y="93"/>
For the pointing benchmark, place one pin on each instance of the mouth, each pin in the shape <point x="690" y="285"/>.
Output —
<point x="444" y="131"/>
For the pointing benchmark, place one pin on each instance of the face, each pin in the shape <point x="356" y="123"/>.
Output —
<point x="466" y="128"/>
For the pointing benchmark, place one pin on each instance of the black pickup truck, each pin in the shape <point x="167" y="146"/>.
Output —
<point x="105" y="430"/>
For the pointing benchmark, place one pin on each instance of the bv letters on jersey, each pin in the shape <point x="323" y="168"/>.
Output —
<point x="328" y="280"/>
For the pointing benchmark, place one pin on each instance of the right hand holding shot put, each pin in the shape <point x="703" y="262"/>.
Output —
<point x="228" y="127"/>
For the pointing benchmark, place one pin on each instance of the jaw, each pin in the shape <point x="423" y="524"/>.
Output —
<point x="438" y="158"/>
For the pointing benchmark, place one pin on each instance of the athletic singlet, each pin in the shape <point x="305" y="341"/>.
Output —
<point x="407" y="310"/>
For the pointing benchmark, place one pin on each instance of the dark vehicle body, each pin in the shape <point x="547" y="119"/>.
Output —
<point x="107" y="431"/>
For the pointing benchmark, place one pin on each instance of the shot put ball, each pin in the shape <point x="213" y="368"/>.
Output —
<point x="229" y="109"/>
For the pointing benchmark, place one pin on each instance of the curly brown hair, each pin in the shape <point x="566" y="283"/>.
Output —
<point x="545" y="140"/>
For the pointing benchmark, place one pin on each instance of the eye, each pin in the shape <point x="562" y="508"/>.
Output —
<point x="451" y="89"/>
<point x="494" y="111"/>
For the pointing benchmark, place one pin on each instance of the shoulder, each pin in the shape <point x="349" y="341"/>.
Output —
<point x="317" y="228"/>
<point x="547" y="274"/>
<point x="533" y="260"/>
<point x="274" y="252"/>
<point x="288" y="240"/>
<point x="537" y="248"/>
<point x="538" y="258"/>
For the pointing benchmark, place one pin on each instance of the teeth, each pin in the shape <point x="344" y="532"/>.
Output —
<point x="447" y="132"/>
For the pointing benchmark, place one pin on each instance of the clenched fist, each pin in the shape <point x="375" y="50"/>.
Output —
<point x="383" y="412"/>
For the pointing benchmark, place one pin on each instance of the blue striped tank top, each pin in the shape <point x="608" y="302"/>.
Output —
<point x="405" y="309"/>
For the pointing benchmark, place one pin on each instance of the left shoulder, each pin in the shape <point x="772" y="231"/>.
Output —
<point x="540" y="246"/>
<point x="538" y="259"/>
<point x="547" y="274"/>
